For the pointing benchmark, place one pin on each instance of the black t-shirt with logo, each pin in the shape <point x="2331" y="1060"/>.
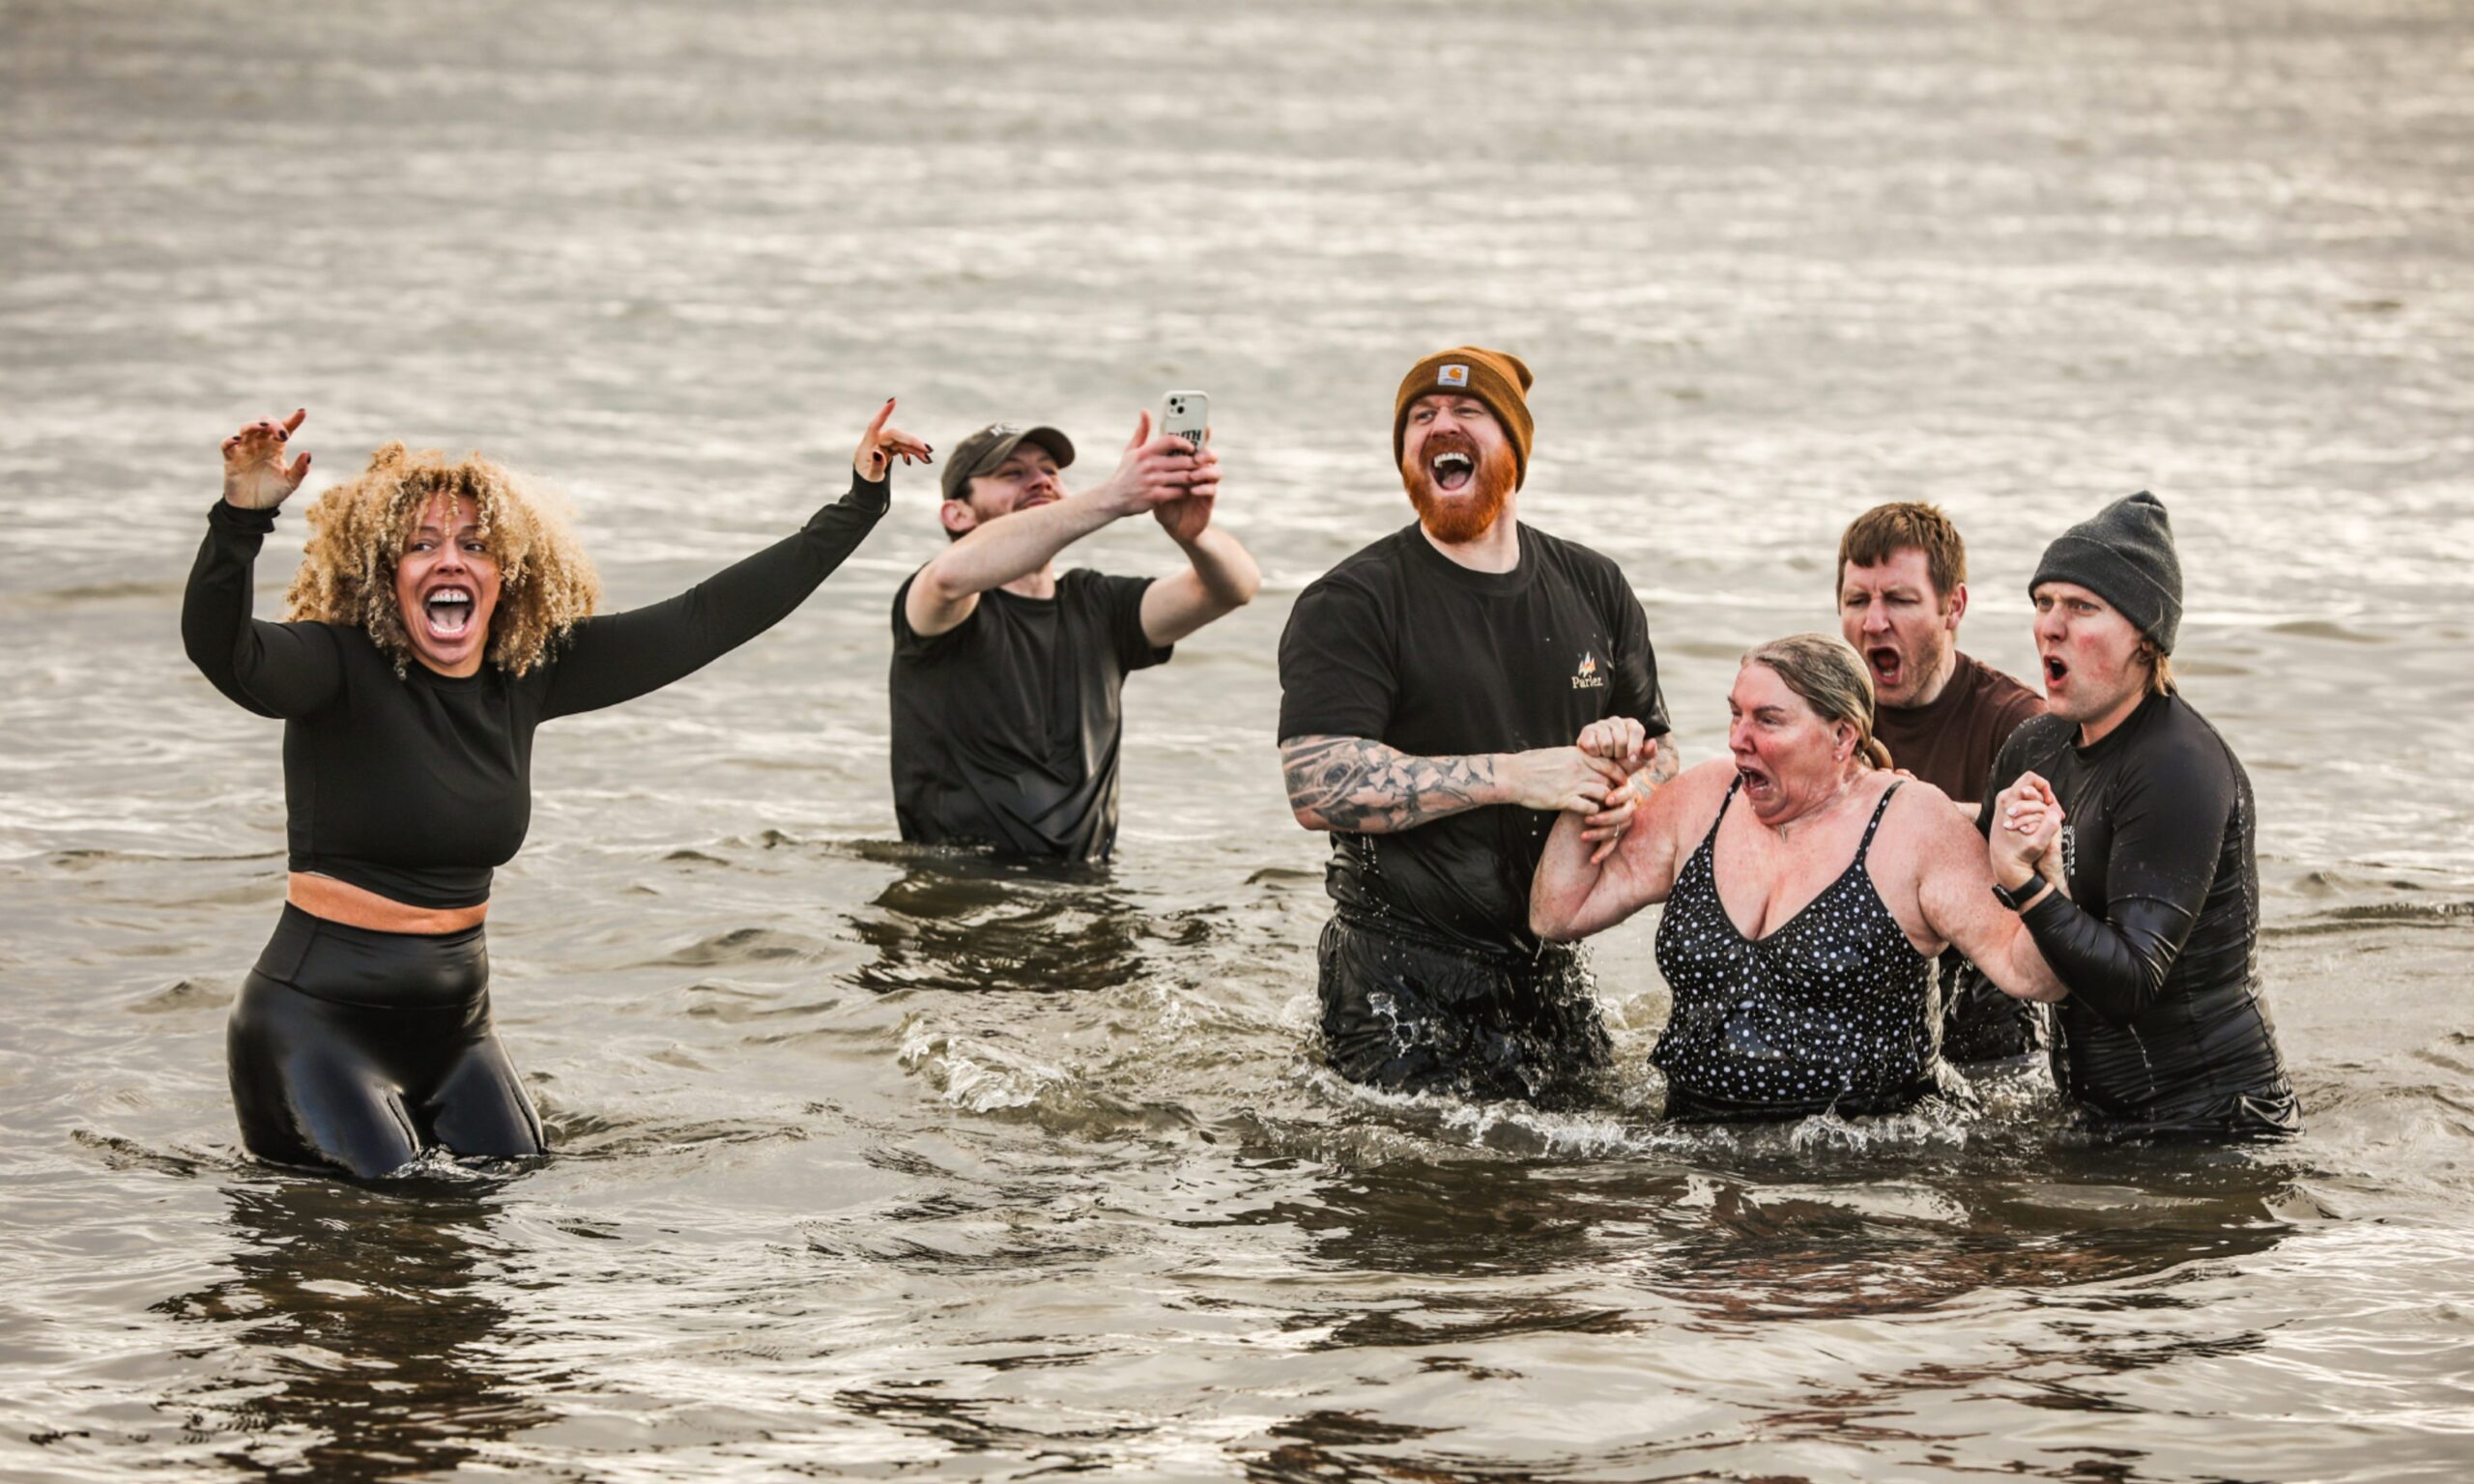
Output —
<point x="1402" y="644"/>
<point x="1006" y="727"/>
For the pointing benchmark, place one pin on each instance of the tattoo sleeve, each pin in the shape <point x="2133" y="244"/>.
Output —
<point x="1359" y="784"/>
<point x="1668" y="762"/>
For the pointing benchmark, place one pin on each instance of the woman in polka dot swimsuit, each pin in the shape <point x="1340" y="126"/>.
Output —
<point x="1802" y="919"/>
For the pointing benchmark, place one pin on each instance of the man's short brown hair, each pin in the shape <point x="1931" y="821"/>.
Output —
<point x="1886" y="530"/>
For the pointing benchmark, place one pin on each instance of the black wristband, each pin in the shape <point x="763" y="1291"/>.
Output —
<point x="2017" y="901"/>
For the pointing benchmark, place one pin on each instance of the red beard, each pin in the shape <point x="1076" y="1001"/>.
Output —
<point x="1454" y="520"/>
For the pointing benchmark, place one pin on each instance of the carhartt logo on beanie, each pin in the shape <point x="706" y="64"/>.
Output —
<point x="1500" y="380"/>
<point x="2124" y="556"/>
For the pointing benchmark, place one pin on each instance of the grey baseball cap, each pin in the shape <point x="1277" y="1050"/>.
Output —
<point x="992" y="446"/>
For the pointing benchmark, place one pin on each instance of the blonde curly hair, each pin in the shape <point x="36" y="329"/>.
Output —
<point x="357" y="532"/>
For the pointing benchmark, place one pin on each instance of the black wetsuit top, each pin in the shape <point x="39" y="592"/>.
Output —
<point x="414" y="785"/>
<point x="2166" y="1029"/>
<point x="1402" y="644"/>
<point x="1007" y="727"/>
<point x="1832" y="1010"/>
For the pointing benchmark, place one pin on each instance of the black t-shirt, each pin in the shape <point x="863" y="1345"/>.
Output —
<point x="1402" y="644"/>
<point x="2165" y="1026"/>
<point x="416" y="785"/>
<point x="1006" y="727"/>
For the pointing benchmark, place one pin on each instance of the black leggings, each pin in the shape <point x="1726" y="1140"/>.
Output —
<point x="356" y="1050"/>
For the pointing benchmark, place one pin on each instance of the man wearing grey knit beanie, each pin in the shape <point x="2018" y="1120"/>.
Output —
<point x="2124" y="831"/>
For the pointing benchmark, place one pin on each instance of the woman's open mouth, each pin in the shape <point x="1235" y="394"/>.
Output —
<point x="1757" y="783"/>
<point x="448" y="612"/>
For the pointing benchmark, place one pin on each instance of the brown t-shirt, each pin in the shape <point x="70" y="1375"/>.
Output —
<point x="1952" y="742"/>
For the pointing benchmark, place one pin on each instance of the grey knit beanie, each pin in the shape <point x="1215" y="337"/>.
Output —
<point x="2125" y="557"/>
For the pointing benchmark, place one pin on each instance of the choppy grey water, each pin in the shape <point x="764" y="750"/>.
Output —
<point x="874" y="1164"/>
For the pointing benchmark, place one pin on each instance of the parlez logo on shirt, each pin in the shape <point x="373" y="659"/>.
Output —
<point x="1452" y="376"/>
<point x="1585" y="675"/>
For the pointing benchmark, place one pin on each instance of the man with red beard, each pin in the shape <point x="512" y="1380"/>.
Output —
<point x="1432" y="687"/>
<point x="1902" y="591"/>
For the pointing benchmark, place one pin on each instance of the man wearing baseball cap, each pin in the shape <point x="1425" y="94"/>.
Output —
<point x="1434" y="686"/>
<point x="2124" y="834"/>
<point x="1006" y="674"/>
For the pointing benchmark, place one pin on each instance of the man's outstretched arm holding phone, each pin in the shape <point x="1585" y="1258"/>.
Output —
<point x="1166" y="474"/>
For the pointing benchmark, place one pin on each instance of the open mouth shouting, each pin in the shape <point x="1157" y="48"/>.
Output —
<point x="1759" y="787"/>
<point x="2056" y="672"/>
<point x="448" y="610"/>
<point x="1451" y="463"/>
<point x="1889" y="667"/>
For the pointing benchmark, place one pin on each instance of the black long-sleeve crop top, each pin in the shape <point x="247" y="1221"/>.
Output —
<point x="417" y="785"/>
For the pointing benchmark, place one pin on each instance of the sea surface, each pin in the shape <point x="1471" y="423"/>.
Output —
<point x="876" y="1162"/>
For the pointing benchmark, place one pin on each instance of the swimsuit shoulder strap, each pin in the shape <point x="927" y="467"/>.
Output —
<point x="1865" y="847"/>
<point x="1709" y="842"/>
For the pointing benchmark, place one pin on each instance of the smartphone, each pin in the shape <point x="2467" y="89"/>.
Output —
<point x="1185" y="414"/>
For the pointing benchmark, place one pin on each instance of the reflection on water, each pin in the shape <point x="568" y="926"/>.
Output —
<point x="1888" y="1234"/>
<point x="1881" y="1240"/>
<point x="365" y="1340"/>
<point x="962" y="920"/>
<point x="1773" y="263"/>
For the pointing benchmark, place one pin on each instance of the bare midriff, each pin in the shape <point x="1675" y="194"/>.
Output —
<point x="354" y="906"/>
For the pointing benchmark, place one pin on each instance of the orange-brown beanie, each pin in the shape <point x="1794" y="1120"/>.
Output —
<point x="1500" y="380"/>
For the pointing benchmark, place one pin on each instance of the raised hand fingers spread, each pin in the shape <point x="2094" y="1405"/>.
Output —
<point x="256" y="476"/>
<point x="291" y="424"/>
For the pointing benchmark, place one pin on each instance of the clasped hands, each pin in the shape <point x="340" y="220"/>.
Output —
<point x="1602" y="777"/>
<point x="2025" y="842"/>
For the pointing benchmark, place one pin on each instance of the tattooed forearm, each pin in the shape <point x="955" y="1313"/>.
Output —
<point x="1358" y="783"/>
<point x="1668" y="762"/>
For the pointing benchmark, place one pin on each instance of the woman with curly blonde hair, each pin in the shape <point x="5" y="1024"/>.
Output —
<point x="440" y="615"/>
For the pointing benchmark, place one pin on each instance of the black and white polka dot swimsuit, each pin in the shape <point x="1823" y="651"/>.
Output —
<point x="1834" y="1010"/>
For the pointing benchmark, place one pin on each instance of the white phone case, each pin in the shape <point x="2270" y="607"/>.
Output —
<point x="1187" y="414"/>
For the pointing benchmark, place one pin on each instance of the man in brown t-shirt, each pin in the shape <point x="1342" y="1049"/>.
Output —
<point x="1902" y="591"/>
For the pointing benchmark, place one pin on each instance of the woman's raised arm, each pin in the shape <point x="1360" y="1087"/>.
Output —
<point x="617" y="657"/>
<point x="277" y="670"/>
